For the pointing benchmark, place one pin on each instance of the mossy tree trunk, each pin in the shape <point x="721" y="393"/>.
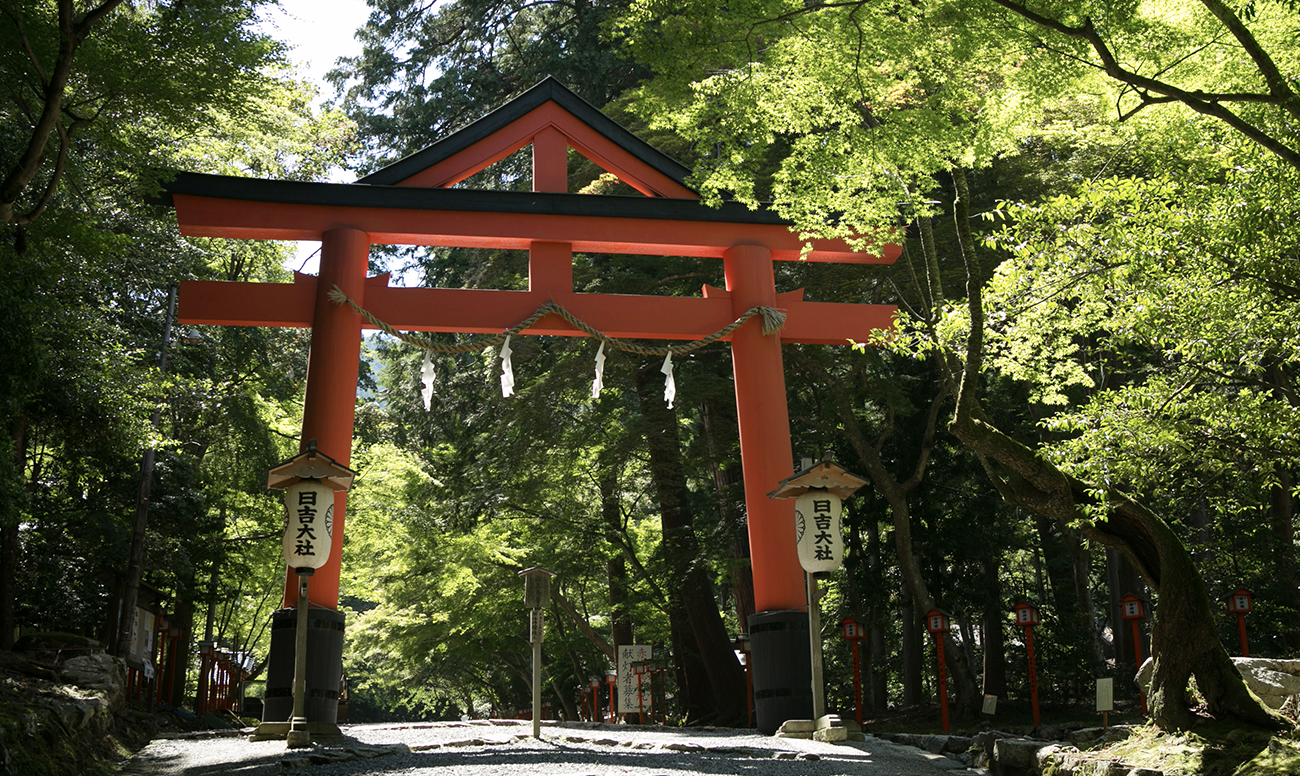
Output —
<point x="1184" y="643"/>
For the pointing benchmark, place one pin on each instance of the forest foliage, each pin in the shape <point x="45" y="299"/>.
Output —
<point x="1098" y="298"/>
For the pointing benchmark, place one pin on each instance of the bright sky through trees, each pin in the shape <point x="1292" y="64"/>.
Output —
<point x="318" y="32"/>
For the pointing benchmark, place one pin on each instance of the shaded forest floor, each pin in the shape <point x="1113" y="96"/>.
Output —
<point x="1213" y="748"/>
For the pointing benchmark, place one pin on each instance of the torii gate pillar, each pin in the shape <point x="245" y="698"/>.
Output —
<point x="329" y="408"/>
<point x="764" y="422"/>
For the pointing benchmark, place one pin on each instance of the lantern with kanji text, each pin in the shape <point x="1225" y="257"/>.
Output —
<point x="937" y="622"/>
<point x="1239" y="603"/>
<point x="1134" y="610"/>
<point x="819" y="490"/>
<point x="309" y="481"/>
<point x="1027" y="617"/>
<point x="1026" y="614"/>
<point x="593" y="684"/>
<point x="611" y="676"/>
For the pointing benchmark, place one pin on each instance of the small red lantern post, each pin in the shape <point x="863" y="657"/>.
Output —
<point x="854" y="632"/>
<point x="612" y="676"/>
<point x="1134" y="610"/>
<point x="936" y="622"/>
<point x="1239" y="604"/>
<point x="1027" y="616"/>
<point x="593" y="683"/>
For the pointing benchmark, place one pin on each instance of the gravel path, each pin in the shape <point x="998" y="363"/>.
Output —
<point x="481" y="748"/>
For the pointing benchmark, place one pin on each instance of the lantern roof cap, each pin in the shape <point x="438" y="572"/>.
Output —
<point x="310" y="464"/>
<point x="937" y="610"/>
<point x="534" y="570"/>
<point x="825" y="475"/>
<point x="1022" y="603"/>
<point x="850" y="618"/>
<point x="1241" y="591"/>
<point x="1133" y="597"/>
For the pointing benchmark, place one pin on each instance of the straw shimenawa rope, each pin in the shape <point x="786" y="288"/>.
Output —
<point x="773" y="320"/>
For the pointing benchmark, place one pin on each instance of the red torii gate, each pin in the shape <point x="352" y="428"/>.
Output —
<point x="409" y="203"/>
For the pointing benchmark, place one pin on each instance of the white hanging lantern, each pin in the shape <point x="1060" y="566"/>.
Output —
<point x="309" y="529"/>
<point x="817" y="530"/>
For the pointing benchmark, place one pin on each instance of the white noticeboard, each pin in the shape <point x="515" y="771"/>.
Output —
<point x="1105" y="695"/>
<point x="627" y="696"/>
<point x="536" y="626"/>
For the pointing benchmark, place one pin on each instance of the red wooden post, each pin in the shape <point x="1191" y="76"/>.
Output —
<point x="936" y="621"/>
<point x="1133" y="609"/>
<point x="612" y="716"/>
<point x="214" y="681"/>
<point x="201" y="697"/>
<point x="640" y="700"/>
<point x="1027" y="616"/>
<point x="1239" y="603"/>
<point x="853" y="631"/>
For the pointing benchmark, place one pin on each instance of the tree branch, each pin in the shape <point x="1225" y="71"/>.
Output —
<point x="1205" y="104"/>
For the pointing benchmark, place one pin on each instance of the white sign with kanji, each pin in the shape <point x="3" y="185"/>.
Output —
<point x="309" y="524"/>
<point x="817" y="530"/>
<point x="628" y="702"/>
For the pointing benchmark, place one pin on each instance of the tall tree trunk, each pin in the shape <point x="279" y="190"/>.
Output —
<point x="9" y="537"/>
<point x="1283" y="527"/>
<point x="992" y="634"/>
<point x="877" y="670"/>
<point x="620" y="624"/>
<point x="726" y="480"/>
<point x="182" y="619"/>
<point x="694" y="692"/>
<point x="1184" y="640"/>
<point x="681" y="550"/>
<point x="912" y="646"/>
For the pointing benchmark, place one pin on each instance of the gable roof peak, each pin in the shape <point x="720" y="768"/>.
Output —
<point x="548" y="103"/>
